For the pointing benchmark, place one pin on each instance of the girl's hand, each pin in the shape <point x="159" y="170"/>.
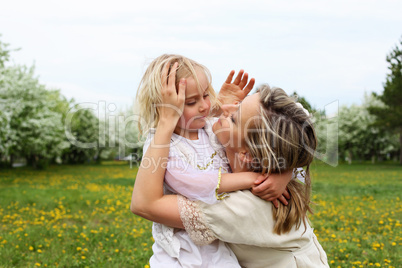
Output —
<point x="234" y="92"/>
<point x="273" y="187"/>
<point x="172" y="104"/>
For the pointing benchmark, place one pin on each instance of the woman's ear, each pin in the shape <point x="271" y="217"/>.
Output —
<point x="245" y="157"/>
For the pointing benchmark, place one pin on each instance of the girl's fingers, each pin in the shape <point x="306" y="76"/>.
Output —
<point x="260" y="179"/>
<point x="238" y="77"/>
<point x="286" y="194"/>
<point x="172" y="75"/>
<point x="165" y="73"/>
<point x="275" y="202"/>
<point x="283" y="200"/>
<point x="182" y="90"/>
<point x="230" y="77"/>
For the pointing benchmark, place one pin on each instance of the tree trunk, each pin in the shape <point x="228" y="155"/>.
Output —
<point x="349" y="157"/>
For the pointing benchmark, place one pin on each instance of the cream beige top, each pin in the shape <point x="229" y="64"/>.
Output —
<point x="246" y="223"/>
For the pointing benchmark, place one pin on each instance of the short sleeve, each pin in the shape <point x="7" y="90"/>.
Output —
<point x="194" y="184"/>
<point x="148" y="140"/>
<point x="182" y="178"/>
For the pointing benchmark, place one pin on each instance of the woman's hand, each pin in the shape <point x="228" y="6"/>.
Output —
<point x="234" y="92"/>
<point x="172" y="104"/>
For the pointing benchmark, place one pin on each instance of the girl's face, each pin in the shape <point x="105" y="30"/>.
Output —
<point x="235" y="121"/>
<point x="196" y="107"/>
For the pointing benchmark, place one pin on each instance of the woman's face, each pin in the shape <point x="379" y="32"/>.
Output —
<point x="235" y="121"/>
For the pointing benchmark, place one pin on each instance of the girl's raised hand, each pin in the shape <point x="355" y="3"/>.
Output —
<point x="234" y="92"/>
<point x="172" y="104"/>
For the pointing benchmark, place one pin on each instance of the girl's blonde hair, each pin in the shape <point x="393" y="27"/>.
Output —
<point x="283" y="139"/>
<point x="149" y="90"/>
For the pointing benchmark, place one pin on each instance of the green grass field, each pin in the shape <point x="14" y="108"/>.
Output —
<point x="78" y="216"/>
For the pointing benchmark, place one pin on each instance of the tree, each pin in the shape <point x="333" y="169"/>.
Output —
<point x="304" y="102"/>
<point x="359" y="137"/>
<point x="30" y="126"/>
<point x="4" y="53"/>
<point x="32" y="120"/>
<point x="81" y="128"/>
<point x="390" y="116"/>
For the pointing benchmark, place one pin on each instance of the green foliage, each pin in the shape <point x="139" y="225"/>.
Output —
<point x="4" y="53"/>
<point x="32" y="119"/>
<point x="359" y="137"/>
<point x="31" y="126"/>
<point x="84" y="129"/>
<point x="305" y="103"/>
<point x="390" y="115"/>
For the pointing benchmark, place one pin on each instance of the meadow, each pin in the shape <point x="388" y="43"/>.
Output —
<point x="79" y="216"/>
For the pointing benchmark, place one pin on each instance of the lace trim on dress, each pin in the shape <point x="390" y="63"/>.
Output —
<point x="194" y="222"/>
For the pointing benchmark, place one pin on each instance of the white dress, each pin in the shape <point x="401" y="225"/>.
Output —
<point x="192" y="171"/>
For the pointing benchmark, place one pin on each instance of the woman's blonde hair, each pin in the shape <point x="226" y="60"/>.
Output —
<point x="149" y="90"/>
<point x="283" y="139"/>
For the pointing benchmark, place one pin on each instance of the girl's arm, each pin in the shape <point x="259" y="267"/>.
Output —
<point x="202" y="185"/>
<point x="148" y="200"/>
<point x="231" y="182"/>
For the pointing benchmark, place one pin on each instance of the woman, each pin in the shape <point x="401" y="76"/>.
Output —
<point x="268" y="132"/>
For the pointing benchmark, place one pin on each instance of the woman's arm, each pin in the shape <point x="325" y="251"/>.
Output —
<point x="148" y="200"/>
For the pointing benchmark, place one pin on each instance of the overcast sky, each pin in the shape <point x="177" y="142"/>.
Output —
<point x="98" y="50"/>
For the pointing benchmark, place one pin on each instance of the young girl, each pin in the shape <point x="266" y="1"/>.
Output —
<point x="195" y="167"/>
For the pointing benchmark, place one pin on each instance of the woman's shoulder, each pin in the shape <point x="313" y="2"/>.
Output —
<point x="254" y="217"/>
